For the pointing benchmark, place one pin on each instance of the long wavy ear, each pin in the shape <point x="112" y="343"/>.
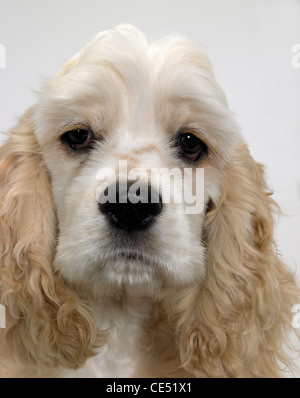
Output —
<point x="45" y="323"/>
<point x="237" y="322"/>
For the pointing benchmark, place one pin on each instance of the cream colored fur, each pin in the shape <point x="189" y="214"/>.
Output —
<point x="209" y="296"/>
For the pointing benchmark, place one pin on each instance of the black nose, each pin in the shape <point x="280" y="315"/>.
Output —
<point x="130" y="209"/>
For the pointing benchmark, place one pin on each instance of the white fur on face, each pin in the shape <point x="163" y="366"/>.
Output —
<point x="135" y="97"/>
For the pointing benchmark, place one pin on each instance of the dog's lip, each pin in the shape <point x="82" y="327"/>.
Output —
<point x="139" y="256"/>
<point x="132" y="254"/>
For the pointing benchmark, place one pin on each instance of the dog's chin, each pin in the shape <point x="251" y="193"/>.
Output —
<point x="125" y="271"/>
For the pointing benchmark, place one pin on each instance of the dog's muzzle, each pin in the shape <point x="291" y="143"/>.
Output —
<point x="130" y="208"/>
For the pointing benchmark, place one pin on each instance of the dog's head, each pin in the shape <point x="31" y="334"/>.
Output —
<point x="130" y="174"/>
<point x="137" y="110"/>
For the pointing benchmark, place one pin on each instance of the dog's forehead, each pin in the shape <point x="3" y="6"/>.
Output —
<point x="124" y="57"/>
<point x="121" y="69"/>
<point x="120" y="80"/>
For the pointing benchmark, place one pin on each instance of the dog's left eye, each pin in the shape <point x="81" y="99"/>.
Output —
<point x="191" y="146"/>
<point x="78" y="138"/>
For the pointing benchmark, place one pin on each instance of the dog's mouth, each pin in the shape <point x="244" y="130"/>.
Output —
<point x="132" y="255"/>
<point x="134" y="249"/>
<point x="134" y="259"/>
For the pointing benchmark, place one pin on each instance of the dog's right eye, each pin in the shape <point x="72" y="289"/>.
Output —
<point x="78" y="139"/>
<point x="191" y="146"/>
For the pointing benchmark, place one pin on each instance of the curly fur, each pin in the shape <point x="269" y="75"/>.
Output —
<point x="232" y="319"/>
<point x="46" y="323"/>
<point x="242" y="312"/>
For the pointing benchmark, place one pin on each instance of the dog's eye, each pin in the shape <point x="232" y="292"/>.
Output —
<point x="78" y="138"/>
<point x="191" y="146"/>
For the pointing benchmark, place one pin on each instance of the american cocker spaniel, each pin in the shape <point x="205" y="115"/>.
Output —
<point x="135" y="228"/>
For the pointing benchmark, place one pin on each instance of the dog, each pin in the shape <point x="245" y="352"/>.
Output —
<point x="107" y="275"/>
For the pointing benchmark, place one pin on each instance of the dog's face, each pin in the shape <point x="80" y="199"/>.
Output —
<point x="122" y="104"/>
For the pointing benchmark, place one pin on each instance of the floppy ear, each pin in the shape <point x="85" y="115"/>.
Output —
<point x="45" y="322"/>
<point x="235" y="324"/>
